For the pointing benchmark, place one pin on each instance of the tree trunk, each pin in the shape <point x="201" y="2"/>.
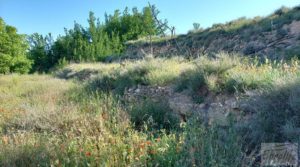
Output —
<point x="151" y="48"/>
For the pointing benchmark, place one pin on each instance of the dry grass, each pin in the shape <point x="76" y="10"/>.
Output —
<point x="46" y="121"/>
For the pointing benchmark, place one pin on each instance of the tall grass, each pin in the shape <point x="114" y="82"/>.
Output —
<point x="46" y="121"/>
<point x="233" y="74"/>
<point x="70" y="127"/>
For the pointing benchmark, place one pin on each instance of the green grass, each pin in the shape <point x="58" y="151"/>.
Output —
<point x="155" y="115"/>
<point x="54" y="122"/>
<point x="277" y="118"/>
<point x="233" y="74"/>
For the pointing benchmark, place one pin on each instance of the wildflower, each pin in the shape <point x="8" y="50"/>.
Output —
<point x="152" y="152"/>
<point x="88" y="154"/>
<point x="142" y="145"/>
<point x="5" y="139"/>
<point x="148" y="142"/>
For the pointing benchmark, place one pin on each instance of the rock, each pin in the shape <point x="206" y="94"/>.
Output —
<point x="137" y="90"/>
<point x="231" y="103"/>
<point x="247" y="108"/>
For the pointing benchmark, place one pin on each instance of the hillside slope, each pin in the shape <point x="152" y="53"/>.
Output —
<point x="276" y="36"/>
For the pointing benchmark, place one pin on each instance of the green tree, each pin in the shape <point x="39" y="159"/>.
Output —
<point x="13" y="50"/>
<point x="41" y="52"/>
<point x="94" y="43"/>
<point x="149" y="25"/>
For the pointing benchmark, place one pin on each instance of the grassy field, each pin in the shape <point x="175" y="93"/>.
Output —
<point x="84" y="121"/>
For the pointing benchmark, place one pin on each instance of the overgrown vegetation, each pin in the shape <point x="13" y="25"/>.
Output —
<point x="233" y="74"/>
<point x="43" y="125"/>
<point x="157" y="114"/>
<point x="107" y="40"/>
<point x="46" y="121"/>
<point x="132" y="73"/>
<point x="13" y="46"/>
<point x="83" y="114"/>
<point x="222" y="74"/>
<point x="94" y="43"/>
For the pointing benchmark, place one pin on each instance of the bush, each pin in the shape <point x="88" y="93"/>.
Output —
<point x="282" y="10"/>
<point x="208" y="75"/>
<point x="282" y="32"/>
<point x="253" y="47"/>
<point x="155" y="115"/>
<point x="118" y="81"/>
<point x="276" y="116"/>
<point x="293" y="52"/>
<point x="156" y="72"/>
<point x="18" y="64"/>
<point x="21" y="65"/>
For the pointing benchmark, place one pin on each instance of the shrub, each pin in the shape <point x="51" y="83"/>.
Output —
<point x="282" y="32"/>
<point x="155" y="114"/>
<point x="276" y="116"/>
<point x="208" y="75"/>
<point x="21" y="65"/>
<point x="118" y="81"/>
<point x="156" y="72"/>
<point x="191" y="79"/>
<point x="282" y="10"/>
<point x="253" y="47"/>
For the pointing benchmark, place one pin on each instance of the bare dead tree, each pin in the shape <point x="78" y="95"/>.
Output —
<point x="162" y="25"/>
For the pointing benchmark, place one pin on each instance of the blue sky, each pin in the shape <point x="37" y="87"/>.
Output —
<point x="45" y="16"/>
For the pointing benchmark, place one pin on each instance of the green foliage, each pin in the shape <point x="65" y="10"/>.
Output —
<point x="281" y="33"/>
<point x="69" y="126"/>
<point x="211" y="145"/>
<point x="131" y="26"/>
<point x="277" y="114"/>
<point x="196" y="28"/>
<point x="5" y="63"/>
<point x="194" y="81"/>
<point x="48" y="121"/>
<point x="13" y="48"/>
<point x="207" y="76"/>
<point x="155" y="114"/>
<point x="232" y="74"/>
<point x="40" y="52"/>
<point x="94" y="43"/>
<point x="118" y="82"/>
<point x="145" y="72"/>
<point x="293" y="52"/>
<point x="21" y="64"/>
<point x="282" y="10"/>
